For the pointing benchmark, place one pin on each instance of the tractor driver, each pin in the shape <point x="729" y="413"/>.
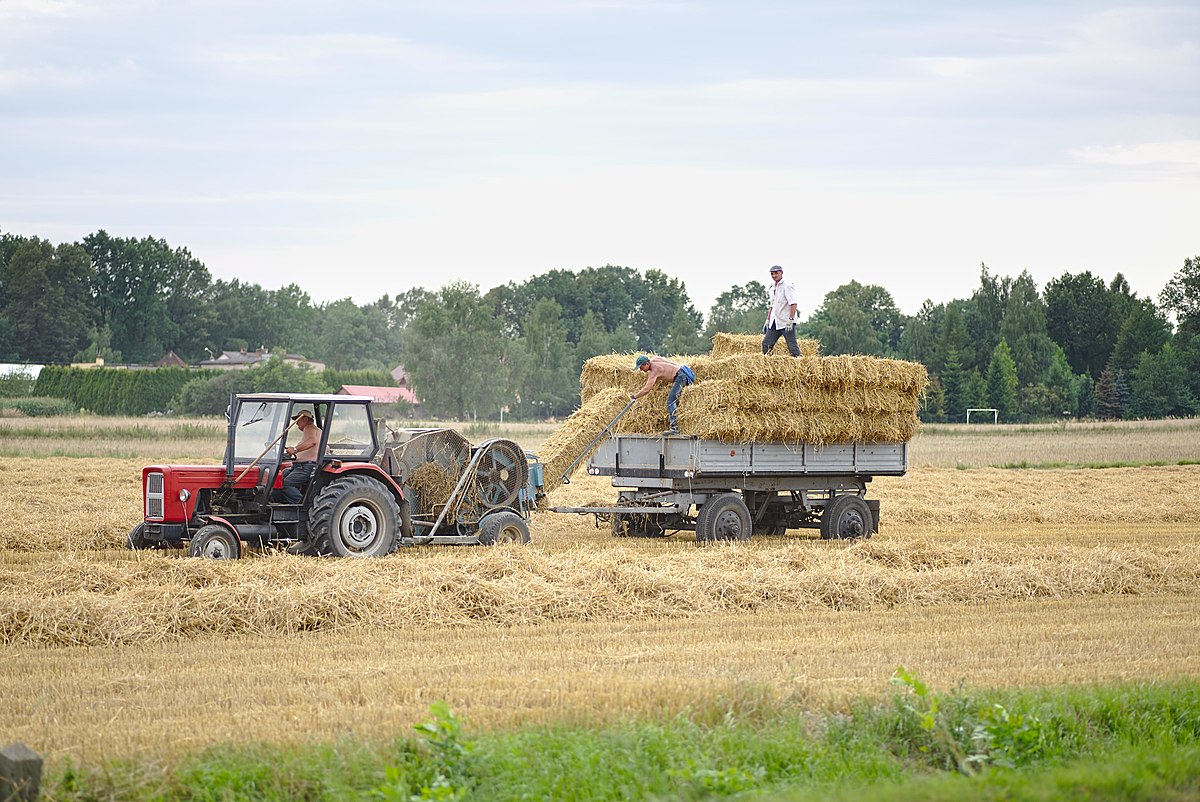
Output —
<point x="296" y="478"/>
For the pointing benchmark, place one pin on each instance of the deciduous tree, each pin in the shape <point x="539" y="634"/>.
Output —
<point x="46" y="300"/>
<point x="739" y="310"/>
<point x="1081" y="317"/>
<point x="455" y="353"/>
<point x="550" y="375"/>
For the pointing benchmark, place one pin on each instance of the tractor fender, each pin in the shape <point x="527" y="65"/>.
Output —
<point x="217" y="519"/>
<point x="338" y="468"/>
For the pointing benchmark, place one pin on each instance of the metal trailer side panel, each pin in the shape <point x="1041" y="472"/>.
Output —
<point x="647" y="456"/>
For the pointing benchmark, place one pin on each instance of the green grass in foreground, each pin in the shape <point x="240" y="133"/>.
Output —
<point x="1127" y="742"/>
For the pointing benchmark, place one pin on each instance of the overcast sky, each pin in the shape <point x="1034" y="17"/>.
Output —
<point x="361" y="148"/>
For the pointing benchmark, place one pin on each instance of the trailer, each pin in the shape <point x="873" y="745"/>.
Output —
<point x="729" y="491"/>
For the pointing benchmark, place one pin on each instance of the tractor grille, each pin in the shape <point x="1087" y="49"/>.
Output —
<point x="154" y="495"/>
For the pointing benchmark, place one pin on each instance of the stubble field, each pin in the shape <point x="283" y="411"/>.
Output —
<point x="989" y="576"/>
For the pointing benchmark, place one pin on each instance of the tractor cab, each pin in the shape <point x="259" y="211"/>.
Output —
<point x="263" y="427"/>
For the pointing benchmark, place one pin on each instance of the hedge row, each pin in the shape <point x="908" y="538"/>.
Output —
<point x="112" y="391"/>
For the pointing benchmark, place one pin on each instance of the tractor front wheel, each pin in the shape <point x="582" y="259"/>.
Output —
<point x="354" y="516"/>
<point x="215" y="542"/>
<point x="137" y="539"/>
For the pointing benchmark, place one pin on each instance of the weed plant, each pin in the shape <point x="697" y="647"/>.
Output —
<point x="1114" y="742"/>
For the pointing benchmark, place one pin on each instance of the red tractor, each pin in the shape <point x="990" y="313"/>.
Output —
<point x="351" y="507"/>
<point x="358" y="502"/>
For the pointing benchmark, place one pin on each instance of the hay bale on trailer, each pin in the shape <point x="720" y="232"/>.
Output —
<point x="799" y="441"/>
<point x="753" y="397"/>
<point x="584" y="425"/>
<point x="724" y="345"/>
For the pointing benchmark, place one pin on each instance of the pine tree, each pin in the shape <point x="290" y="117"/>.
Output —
<point x="1002" y="382"/>
<point x="1108" y="403"/>
<point x="953" y="385"/>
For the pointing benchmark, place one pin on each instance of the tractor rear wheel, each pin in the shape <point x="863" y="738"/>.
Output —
<point x="846" y="517"/>
<point x="215" y="542"/>
<point x="503" y="527"/>
<point x="354" y="516"/>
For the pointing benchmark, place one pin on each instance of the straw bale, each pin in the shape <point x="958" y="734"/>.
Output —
<point x="827" y="371"/>
<point x="616" y="371"/>
<point x="724" y="344"/>
<point x="567" y="444"/>
<point x="433" y="484"/>
<point x="818" y="428"/>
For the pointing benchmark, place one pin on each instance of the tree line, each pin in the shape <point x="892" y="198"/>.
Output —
<point x="1079" y="345"/>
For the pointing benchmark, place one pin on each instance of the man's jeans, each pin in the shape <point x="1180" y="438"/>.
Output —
<point x="683" y="377"/>
<point x="295" y="479"/>
<point x="772" y="336"/>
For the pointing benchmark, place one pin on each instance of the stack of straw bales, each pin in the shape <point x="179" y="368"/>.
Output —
<point x="742" y="395"/>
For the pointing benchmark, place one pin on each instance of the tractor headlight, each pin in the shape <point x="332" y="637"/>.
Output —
<point x="185" y="494"/>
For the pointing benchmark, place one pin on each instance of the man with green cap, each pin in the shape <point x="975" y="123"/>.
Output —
<point x="658" y="368"/>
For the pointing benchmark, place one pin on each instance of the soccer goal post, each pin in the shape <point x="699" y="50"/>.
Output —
<point x="995" y="414"/>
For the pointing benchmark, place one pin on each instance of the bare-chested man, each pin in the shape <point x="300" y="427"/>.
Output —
<point x="657" y="368"/>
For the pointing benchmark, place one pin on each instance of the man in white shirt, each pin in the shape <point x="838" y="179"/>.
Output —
<point x="781" y="314"/>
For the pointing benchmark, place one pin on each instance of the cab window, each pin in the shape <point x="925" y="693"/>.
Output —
<point x="351" y="433"/>
<point x="258" y="425"/>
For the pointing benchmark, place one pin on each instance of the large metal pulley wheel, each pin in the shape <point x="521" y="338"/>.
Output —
<point x="500" y="473"/>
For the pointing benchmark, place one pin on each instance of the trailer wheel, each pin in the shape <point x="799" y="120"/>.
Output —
<point x="723" y="517"/>
<point x="215" y="542"/>
<point x="846" y="517"/>
<point x="354" y="516"/>
<point x="503" y="527"/>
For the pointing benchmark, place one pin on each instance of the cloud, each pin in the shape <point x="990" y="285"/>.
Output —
<point x="16" y="10"/>
<point x="1184" y="154"/>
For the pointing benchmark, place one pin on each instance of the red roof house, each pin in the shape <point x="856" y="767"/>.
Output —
<point x="382" y="395"/>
